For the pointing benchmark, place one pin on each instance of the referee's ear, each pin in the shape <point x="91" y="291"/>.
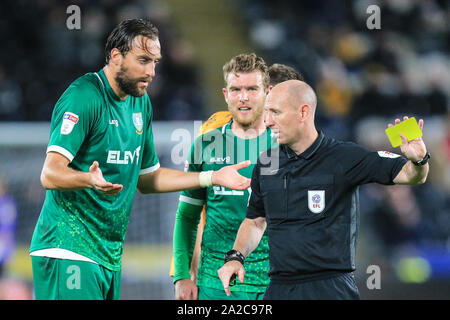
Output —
<point x="304" y="112"/>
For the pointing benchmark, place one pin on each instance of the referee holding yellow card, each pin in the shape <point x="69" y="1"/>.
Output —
<point x="310" y="203"/>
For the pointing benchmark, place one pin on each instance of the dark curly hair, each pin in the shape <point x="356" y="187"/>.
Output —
<point x="123" y="35"/>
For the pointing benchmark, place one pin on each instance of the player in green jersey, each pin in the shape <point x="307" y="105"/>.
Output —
<point x="247" y="83"/>
<point x="277" y="73"/>
<point x="101" y="149"/>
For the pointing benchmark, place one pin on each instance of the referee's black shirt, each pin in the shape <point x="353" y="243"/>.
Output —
<point x="311" y="205"/>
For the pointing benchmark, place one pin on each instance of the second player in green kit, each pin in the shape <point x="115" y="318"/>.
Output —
<point x="212" y="151"/>
<point x="243" y="136"/>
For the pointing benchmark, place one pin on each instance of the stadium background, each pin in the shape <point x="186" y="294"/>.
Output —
<point x="364" y="78"/>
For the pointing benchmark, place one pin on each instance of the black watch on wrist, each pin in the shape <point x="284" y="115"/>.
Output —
<point x="234" y="255"/>
<point x="423" y="161"/>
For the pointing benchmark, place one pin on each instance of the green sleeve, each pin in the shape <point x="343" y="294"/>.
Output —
<point x="184" y="236"/>
<point x="73" y="117"/>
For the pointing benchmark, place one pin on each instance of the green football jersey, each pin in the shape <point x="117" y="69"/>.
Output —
<point x="90" y="123"/>
<point x="225" y="208"/>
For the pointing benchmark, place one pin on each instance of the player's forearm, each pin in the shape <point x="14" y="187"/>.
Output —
<point x="60" y="177"/>
<point x="168" y="180"/>
<point x="249" y="235"/>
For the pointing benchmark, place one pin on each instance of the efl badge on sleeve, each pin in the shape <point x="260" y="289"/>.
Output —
<point x="316" y="200"/>
<point x="69" y="121"/>
<point x="138" y="122"/>
<point x="387" y="154"/>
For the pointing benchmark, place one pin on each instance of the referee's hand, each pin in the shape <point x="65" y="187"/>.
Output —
<point x="227" y="271"/>
<point x="415" y="149"/>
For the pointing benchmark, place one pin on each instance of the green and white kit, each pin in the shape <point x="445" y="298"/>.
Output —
<point x="225" y="211"/>
<point x="90" y="123"/>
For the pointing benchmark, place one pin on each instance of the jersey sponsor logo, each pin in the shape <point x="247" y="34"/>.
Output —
<point x="69" y="121"/>
<point x="387" y="154"/>
<point x="138" y="122"/>
<point x="220" y="160"/>
<point x="316" y="200"/>
<point x="219" y="190"/>
<point x="114" y="122"/>
<point x="126" y="157"/>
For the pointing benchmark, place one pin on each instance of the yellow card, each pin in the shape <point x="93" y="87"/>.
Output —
<point x="410" y="128"/>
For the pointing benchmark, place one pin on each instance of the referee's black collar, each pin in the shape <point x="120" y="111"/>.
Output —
<point x="308" y="153"/>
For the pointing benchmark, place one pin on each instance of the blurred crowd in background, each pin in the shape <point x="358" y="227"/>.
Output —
<point x="401" y="68"/>
<point x="363" y="79"/>
<point x="40" y="57"/>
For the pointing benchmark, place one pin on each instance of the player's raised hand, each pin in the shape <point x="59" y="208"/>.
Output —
<point x="229" y="177"/>
<point x="228" y="271"/>
<point x="100" y="183"/>
<point x="415" y="149"/>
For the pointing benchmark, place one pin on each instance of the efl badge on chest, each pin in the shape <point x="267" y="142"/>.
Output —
<point x="316" y="200"/>
<point x="138" y="122"/>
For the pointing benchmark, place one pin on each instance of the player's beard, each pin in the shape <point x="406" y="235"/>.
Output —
<point x="129" y="85"/>
<point x="246" y="121"/>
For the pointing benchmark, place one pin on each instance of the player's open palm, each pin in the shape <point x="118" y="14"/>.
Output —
<point x="229" y="177"/>
<point x="415" y="149"/>
<point x="99" y="182"/>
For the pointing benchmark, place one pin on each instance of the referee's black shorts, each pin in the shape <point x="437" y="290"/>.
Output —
<point x="338" y="287"/>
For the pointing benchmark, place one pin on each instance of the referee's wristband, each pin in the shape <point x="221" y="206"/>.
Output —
<point x="234" y="255"/>
<point x="422" y="161"/>
<point x="205" y="179"/>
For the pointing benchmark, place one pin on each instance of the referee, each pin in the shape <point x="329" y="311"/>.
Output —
<point x="310" y="203"/>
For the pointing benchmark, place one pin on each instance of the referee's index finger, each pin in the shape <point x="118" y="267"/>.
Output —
<point x="223" y="276"/>
<point x="226" y="287"/>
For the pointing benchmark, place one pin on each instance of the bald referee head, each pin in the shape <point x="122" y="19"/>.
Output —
<point x="290" y="109"/>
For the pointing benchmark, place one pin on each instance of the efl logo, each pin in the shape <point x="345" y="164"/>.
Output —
<point x="68" y="123"/>
<point x="387" y="154"/>
<point x="316" y="200"/>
